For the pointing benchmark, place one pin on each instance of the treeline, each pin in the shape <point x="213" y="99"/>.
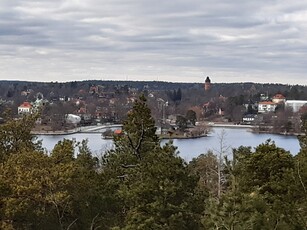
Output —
<point x="12" y="89"/>
<point x="139" y="184"/>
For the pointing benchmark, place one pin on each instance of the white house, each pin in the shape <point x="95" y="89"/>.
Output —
<point x="279" y="99"/>
<point x="295" y="104"/>
<point x="249" y="118"/>
<point x="73" y="119"/>
<point x="266" y="106"/>
<point x="25" y="107"/>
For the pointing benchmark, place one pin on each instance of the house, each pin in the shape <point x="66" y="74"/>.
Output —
<point x="24" y="93"/>
<point x="64" y="98"/>
<point x="279" y="99"/>
<point x="295" y="104"/>
<point x="266" y="106"/>
<point x="249" y="118"/>
<point x="25" y="107"/>
<point x="264" y="97"/>
<point x="82" y="110"/>
<point x="221" y="112"/>
<point x="171" y="119"/>
<point x="73" y="119"/>
<point x="94" y="89"/>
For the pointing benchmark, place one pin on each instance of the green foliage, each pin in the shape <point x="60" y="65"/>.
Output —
<point x="266" y="169"/>
<point x="16" y="137"/>
<point x="181" y="121"/>
<point x="140" y="131"/>
<point x="59" y="191"/>
<point x="152" y="185"/>
<point x="26" y="179"/>
<point x="206" y="167"/>
<point x="191" y="116"/>
<point x="303" y="138"/>
<point x="261" y="194"/>
<point x="175" y="95"/>
<point x="301" y="179"/>
<point x="160" y="194"/>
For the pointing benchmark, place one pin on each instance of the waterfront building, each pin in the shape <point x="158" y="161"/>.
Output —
<point x="25" y="107"/>
<point x="279" y="99"/>
<point x="249" y="118"/>
<point x="295" y="104"/>
<point x="266" y="106"/>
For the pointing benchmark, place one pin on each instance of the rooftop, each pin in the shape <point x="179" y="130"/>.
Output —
<point x="267" y="103"/>
<point x="26" y="105"/>
<point x="279" y="96"/>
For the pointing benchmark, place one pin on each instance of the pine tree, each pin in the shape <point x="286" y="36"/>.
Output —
<point x="301" y="179"/>
<point x="16" y="137"/>
<point x="140" y="131"/>
<point x="152" y="184"/>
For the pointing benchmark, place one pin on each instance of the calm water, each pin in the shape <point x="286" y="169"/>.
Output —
<point x="189" y="148"/>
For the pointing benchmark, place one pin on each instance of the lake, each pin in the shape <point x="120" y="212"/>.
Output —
<point x="188" y="148"/>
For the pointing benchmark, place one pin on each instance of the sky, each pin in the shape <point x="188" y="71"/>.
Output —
<point x="262" y="41"/>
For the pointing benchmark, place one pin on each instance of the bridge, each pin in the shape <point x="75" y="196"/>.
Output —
<point x="98" y="128"/>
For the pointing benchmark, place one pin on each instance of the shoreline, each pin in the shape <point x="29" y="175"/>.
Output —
<point x="281" y="134"/>
<point x="253" y="128"/>
<point x="165" y="137"/>
<point x="50" y="133"/>
<point x="226" y="125"/>
<point x="215" y="125"/>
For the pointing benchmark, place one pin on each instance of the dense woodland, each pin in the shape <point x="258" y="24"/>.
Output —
<point x="53" y="90"/>
<point x="139" y="184"/>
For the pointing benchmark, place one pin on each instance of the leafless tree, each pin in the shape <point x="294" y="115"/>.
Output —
<point x="221" y="153"/>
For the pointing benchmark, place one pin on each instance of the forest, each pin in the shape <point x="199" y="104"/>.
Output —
<point x="141" y="184"/>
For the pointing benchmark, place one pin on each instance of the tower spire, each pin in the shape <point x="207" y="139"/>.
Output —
<point x="207" y="84"/>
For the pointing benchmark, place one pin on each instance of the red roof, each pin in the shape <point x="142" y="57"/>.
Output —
<point x="26" y="105"/>
<point x="279" y="96"/>
<point x="118" y="131"/>
<point x="267" y="103"/>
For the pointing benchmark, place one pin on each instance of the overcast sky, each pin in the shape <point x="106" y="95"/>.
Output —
<point x="176" y="40"/>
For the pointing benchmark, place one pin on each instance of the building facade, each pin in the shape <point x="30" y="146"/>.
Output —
<point x="25" y="107"/>
<point x="295" y="104"/>
<point x="266" y="106"/>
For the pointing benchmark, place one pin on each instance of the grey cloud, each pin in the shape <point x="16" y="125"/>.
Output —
<point x="146" y="38"/>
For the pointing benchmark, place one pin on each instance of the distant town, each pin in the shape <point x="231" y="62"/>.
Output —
<point x="176" y="107"/>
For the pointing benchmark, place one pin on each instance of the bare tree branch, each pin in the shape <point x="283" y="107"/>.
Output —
<point x="299" y="176"/>
<point x="128" y="166"/>
<point x="72" y="223"/>
<point x="123" y="176"/>
<point x="136" y="148"/>
<point x="94" y="222"/>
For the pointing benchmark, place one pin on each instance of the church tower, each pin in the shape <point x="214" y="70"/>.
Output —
<point x="207" y="84"/>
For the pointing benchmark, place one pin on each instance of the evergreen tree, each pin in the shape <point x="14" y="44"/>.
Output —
<point x="206" y="167"/>
<point x="152" y="184"/>
<point x="15" y="136"/>
<point x="25" y="181"/>
<point x="191" y="116"/>
<point x="261" y="192"/>
<point x="301" y="180"/>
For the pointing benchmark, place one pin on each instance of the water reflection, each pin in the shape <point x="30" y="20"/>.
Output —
<point x="189" y="148"/>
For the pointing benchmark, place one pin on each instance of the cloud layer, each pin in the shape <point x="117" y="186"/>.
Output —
<point x="231" y="41"/>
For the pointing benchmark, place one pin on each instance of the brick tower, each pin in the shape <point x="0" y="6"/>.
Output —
<point x="207" y="84"/>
